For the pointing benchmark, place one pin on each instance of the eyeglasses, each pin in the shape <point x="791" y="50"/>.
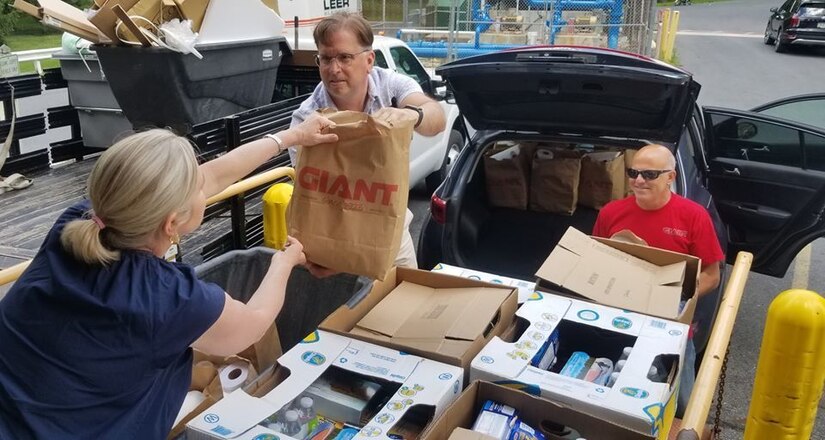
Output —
<point x="344" y="59"/>
<point x="646" y="174"/>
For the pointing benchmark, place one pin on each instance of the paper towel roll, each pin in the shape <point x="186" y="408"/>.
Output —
<point x="234" y="376"/>
<point x="192" y="400"/>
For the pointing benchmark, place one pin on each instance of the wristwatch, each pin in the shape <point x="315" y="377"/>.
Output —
<point x="277" y="140"/>
<point x="420" y="114"/>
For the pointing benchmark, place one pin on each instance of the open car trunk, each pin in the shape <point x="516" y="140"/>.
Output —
<point x="515" y="242"/>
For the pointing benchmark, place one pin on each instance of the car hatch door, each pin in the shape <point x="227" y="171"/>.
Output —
<point x="767" y="176"/>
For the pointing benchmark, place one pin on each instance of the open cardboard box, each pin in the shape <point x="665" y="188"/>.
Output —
<point x="415" y="319"/>
<point x="525" y="288"/>
<point x="411" y="386"/>
<point x="554" y="327"/>
<point x="625" y="275"/>
<point x="261" y="356"/>
<point x="555" y="421"/>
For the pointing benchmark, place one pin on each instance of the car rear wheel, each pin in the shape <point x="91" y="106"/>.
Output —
<point x="778" y="45"/>
<point x="454" y="147"/>
<point x="768" y="39"/>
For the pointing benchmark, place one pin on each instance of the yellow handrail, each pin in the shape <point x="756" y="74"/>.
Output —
<point x="11" y="274"/>
<point x="252" y="182"/>
<point x="696" y="413"/>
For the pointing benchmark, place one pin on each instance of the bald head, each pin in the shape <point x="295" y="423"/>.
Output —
<point x="656" y="155"/>
<point x="652" y="190"/>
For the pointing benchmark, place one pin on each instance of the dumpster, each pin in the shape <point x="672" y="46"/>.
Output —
<point x="101" y="120"/>
<point x="308" y="301"/>
<point x="157" y="87"/>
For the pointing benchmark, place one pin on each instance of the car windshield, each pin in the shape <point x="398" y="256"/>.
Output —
<point x="811" y="10"/>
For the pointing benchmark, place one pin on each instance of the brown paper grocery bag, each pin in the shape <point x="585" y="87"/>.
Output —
<point x="554" y="181"/>
<point x="601" y="179"/>
<point x="350" y="197"/>
<point x="628" y="163"/>
<point x="507" y="174"/>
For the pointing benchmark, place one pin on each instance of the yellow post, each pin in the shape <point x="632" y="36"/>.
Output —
<point x="276" y="200"/>
<point x="791" y="369"/>
<point x="671" y="35"/>
<point x="664" y="36"/>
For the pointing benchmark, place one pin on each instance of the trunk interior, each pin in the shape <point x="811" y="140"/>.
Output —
<point x="508" y="241"/>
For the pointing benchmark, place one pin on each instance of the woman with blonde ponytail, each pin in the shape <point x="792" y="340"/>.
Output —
<point x="96" y="336"/>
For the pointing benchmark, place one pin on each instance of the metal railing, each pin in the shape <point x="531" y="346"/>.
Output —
<point x="11" y="274"/>
<point x="707" y="380"/>
<point x="36" y="56"/>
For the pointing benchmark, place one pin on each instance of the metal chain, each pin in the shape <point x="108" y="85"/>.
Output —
<point x="720" y="395"/>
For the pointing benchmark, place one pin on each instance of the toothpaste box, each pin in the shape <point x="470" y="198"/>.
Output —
<point x="525" y="288"/>
<point x="400" y="392"/>
<point x="615" y="365"/>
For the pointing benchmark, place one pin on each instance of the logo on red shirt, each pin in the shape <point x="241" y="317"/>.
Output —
<point x="675" y="232"/>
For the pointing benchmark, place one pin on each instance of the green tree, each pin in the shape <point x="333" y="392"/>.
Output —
<point x="12" y="20"/>
<point x="8" y="17"/>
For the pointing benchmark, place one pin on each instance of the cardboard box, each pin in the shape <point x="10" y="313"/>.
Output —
<point x="414" y="384"/>
<point x="262" y="355"/>
<point x="619" y="274"/>
<point x="526" y="289"/>
<point x="635" y="401"/>
<point x="467" y="434"/>
<point x="547" y="417"/>
<point x="344" y="321"/>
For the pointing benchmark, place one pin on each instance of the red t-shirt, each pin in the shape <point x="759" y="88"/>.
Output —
<point x="681" y="226"/>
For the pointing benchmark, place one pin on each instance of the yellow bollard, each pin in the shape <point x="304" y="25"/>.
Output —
<point x="276" y="199"/>
<point x="791" y="369"/>
<point x="671" y="36"/>
<point x="664" y="34"/>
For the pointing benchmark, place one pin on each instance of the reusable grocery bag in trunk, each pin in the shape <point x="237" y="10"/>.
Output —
<point x="350" y="197"/>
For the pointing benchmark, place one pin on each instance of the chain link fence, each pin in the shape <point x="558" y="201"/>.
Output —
<point x="458" y="28"/>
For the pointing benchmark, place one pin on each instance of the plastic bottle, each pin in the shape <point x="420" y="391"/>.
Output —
<point x="292" y="427"/>
<point x="620" y="365"/>
<point x="306" y="413"/>
<point x="612" y="380"/>
<point x="625" y="353"/>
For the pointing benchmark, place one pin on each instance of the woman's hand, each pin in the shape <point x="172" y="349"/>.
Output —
<point x="311" y="131"/>
<point x="292" y="255"/>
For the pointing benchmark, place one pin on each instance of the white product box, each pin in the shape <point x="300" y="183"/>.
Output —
<point x="421" y="384"/>
<point x="526" y="289"/>
<point x="636" y="401"/>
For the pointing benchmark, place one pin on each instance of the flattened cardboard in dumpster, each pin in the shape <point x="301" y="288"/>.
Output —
<point x="629" y="276"/>
<point x="63" y="16"/>
<point x="105" y="18"/>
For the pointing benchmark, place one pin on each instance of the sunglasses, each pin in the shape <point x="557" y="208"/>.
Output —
<point x="646" y="174"/>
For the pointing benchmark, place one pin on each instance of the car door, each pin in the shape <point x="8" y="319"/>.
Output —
<point x="767" y="176"/>
<point x="780" y="14"/>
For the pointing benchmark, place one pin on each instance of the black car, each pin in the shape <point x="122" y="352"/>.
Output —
<point x="761" y="177"/>
<point x="796" y="23"/>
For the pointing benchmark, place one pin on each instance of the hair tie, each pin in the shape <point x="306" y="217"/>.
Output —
<point x="99" y="222"/>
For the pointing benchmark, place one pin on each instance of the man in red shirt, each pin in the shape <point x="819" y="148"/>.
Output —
<point x="668" y="221"/>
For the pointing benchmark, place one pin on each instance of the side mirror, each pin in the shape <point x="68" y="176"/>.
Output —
<point x="774" y="10"/>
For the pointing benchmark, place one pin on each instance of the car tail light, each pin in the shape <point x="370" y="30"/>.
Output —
<point x="438" y="209"/>
<point x="795" y="21"/>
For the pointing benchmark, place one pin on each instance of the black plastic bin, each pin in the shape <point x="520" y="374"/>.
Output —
<point x="308" y="301"/>
<point x="157" y="87"/>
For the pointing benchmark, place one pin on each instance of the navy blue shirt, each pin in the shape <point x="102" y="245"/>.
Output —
<point x="99" y="352"/>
